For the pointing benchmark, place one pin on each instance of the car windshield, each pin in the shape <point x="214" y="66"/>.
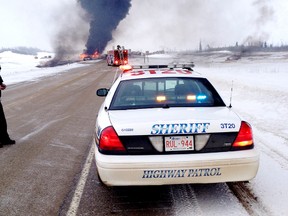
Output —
<point x="165" y="92"/>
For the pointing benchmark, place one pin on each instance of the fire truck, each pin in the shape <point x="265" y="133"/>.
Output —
<point x="85" y="56"/>
<point x="117" y="56"/>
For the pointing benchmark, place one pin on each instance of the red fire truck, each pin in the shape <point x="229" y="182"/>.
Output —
<point x="117" y="57"/>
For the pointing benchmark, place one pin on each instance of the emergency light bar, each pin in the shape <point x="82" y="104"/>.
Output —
<point x="171" y="66"/>
<point x="128" y="67"/>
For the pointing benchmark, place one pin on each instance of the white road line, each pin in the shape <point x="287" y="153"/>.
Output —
<point x="80" y="186"/>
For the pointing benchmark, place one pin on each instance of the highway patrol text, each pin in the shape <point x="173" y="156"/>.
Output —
<point x="182" y="173"/>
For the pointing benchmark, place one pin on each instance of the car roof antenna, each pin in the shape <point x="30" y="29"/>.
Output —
<point x="230" y="105"/>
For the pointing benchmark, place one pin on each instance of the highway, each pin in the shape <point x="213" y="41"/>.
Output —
<point x="51" y="169"/>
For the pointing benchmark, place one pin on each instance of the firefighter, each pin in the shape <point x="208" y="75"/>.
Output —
<point x="4" y="136"/>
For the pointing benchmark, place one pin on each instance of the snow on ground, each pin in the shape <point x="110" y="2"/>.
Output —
<point x="18" y="68"/>
<point x="260" y="96"/>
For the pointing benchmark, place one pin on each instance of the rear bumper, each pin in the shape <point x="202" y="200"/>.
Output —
<point x="177" y="169"/>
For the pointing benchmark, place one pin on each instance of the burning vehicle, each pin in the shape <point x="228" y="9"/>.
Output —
<point x="86" y="56"/>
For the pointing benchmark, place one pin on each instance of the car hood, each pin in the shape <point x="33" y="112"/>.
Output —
<point x="180" y="120"/>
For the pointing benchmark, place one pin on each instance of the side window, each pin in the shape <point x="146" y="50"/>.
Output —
<point x="170" y="84"/>
<point x="153" y="87"/>
<point x="138" y="84"/>
<point x="149" y="87"/>
<point x="161" y="86"/>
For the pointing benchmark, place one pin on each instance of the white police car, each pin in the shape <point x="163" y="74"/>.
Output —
<point x="168" y="125"/>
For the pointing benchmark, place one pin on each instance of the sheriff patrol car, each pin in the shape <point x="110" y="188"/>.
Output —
<point x="168" y="125"/>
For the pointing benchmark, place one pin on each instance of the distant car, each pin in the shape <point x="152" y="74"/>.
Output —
<point x="168" y="125"/>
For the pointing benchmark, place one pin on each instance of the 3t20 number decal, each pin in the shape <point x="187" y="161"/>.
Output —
<point x="227" y="125"/>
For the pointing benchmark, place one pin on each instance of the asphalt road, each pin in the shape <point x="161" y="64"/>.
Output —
<point x="53" y="120"/>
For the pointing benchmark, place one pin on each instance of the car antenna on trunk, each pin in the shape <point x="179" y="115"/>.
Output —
<point x="230" y="105"/>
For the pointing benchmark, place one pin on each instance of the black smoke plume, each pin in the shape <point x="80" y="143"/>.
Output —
<point x="258" y="38"/>
<point x="265" y="13"/>
<point x="70" y="33"/>
<point x="105" y="16"/>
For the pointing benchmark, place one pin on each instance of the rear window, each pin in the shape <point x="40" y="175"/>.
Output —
<point x="165" y="92"/>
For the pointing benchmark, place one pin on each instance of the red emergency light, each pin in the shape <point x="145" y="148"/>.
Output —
<point x="125" y="67"/>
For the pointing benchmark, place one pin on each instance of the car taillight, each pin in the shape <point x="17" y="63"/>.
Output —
<point x="109" y="140"/>
<point x="244" y="139"/>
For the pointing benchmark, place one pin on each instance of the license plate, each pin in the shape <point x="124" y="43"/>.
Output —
<point x="179" y="143"/>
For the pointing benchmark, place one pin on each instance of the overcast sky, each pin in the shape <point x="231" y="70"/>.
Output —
<point x="151" y="24"/>
<point x="27" y="22"/>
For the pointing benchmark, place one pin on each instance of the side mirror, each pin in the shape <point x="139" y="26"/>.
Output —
<point x="102" y="92"/>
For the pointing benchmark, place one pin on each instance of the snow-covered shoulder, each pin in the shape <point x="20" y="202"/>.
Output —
<point x="19" y="68"/>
